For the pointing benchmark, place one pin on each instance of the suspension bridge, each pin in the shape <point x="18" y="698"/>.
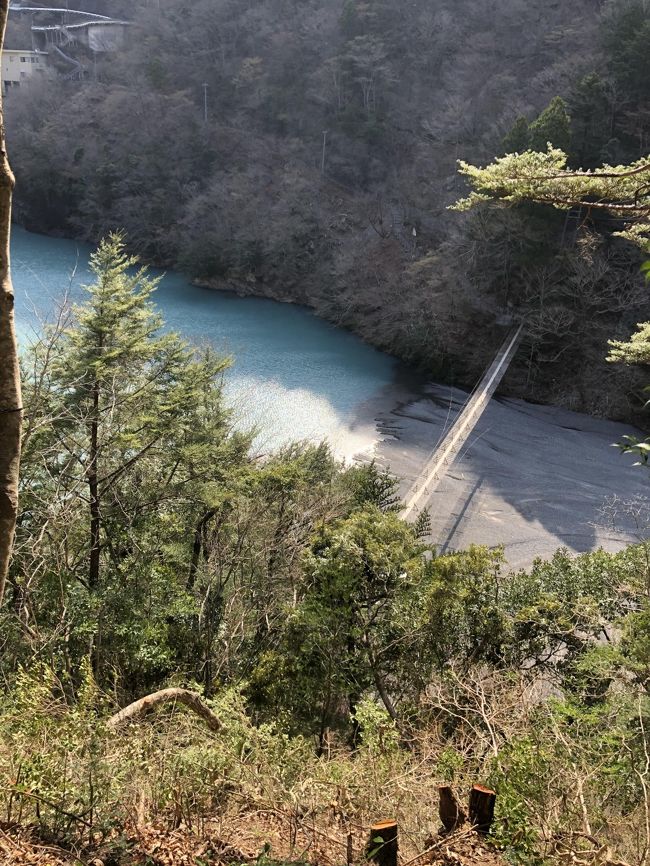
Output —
<point x="447" y="449"/>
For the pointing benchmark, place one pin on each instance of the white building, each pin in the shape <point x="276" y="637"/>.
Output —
<point x="19" y="65"/>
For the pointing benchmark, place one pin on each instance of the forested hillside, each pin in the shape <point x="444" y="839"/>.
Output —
<point x="344" y="668"/>
<point x="307" y="151"/>
<point x="210" y="654"/>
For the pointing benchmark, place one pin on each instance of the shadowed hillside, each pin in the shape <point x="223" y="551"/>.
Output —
<point x="307" y="151"/>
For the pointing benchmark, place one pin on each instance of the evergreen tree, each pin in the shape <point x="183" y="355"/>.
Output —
<point x="360" y="577"/>
<point x="544" y="178"/>
<point x="591" y="121"/>
<point x="518" y="139"/>
<point x="553" y="125"/>
<point x="127" y="436"/>
<point x="626" y="35"/>
<point x="371" y="485"/>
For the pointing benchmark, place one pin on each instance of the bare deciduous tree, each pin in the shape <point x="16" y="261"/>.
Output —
<point x="10" y="396"/>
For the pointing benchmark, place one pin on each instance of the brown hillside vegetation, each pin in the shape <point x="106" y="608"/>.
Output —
<point x="282" y="838"/>
<point x="212" y="656"/>
<point x="318" y="162"/>
<point x="158" y="846"/>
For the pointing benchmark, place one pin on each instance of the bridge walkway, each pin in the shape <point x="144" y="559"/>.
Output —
<point x="435" y="468"/>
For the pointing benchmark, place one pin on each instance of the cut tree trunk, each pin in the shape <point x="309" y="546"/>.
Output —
<point x="382" y="845"/>
<point x="481" y="808"/>
<point x="182" y="696"/>
<point x="451" y="812"/>
<point x="10" y="396"/>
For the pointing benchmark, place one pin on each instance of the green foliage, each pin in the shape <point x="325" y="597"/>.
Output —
<point x="422" y="524"/>
<point x="370" y="485"/>
<point x="634" y="351"/>
<point x="463" y="618"/>
<point x="518" y="139"/>
<point x="552" y="127"/>
<point x="591" y="137"/>
<point x="563" y="607"/>
<point x="145" y="526"/>
<point x="126" y="435"/>
<point x="625" y="38"/>
<point x="450" y="763"/>
<point x="379" y="734"/>
<point x="361" y="575"/>
<point x="544" y="178"/>
<point x="635" y="644"/>
<point x="521" y="771"/>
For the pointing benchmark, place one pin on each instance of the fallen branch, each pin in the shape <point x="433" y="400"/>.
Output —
<point x="30" y="795"/>
<point x="182" y="696"/>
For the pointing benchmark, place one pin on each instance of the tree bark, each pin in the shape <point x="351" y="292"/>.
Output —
<point x="481" y="808"/>
<point x="451" y="812"/>
<point x="93" y="490"/>
<point x="382" y="845"/>
<point x="182" y="696"/>
<point x="10" y="395"/>
<point x="378" y="679"/>
<point x="198" y="546"/>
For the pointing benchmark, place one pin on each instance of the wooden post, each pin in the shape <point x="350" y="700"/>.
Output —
<point x="481" y="808"/>
<point x="382" y="845"/>
<point x="451" y="812"/>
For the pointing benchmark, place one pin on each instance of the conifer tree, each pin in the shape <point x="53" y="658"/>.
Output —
<point x="132" y="435"/>
<point x="543" y="177"/>
<point x="518" y="138"/>
<point x="553" y="125"/>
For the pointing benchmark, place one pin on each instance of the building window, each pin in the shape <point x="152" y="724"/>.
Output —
<point x="23" y="60"/>
<point x="23" y="75"/>
<point x="11" y="58"/>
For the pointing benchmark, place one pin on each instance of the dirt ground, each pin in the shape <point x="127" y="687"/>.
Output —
<point x="257" y="837"/>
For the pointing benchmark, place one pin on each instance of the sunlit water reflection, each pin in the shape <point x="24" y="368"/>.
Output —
<point x="293" y="375"/>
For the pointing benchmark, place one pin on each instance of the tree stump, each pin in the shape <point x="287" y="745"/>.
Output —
<point x="382" y="845"/>
<point x="481" y="808"/>
<point x="451" y="812"/>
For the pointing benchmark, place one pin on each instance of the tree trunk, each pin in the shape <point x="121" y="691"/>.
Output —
<point x="451" y="812"/>
<point x="10" y="396"/>
<point x="198" y="546"/>
<point x="481" y="808"/>
<point x="382" y="845"/>
<point x="378" y="679"/>
<point x="150" y="702"/>
<point x="93" y="489"/>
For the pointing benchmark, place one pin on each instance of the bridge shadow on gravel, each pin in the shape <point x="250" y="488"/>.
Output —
<point x="534" y="478"/>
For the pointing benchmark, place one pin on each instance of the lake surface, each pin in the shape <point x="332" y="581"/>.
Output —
<point x="293" y="375"/>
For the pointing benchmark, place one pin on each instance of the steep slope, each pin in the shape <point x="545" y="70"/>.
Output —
<point x="307" y="151"/>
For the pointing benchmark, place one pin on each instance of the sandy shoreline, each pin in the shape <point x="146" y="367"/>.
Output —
<point x="533" y="478"/>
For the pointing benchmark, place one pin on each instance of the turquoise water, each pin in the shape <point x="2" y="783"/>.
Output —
<point x="293" y="375"/>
